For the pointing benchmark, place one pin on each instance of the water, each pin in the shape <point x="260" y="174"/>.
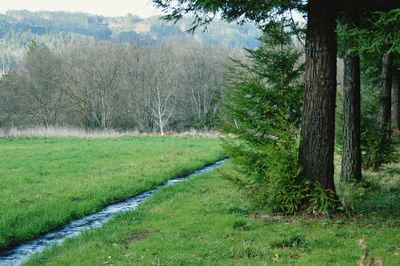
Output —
<point x="19" y="254"/>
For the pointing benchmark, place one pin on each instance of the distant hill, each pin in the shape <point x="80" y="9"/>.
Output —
<point x="55" y="29"/>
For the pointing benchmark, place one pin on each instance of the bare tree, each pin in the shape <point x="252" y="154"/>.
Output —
<point x="93" y="83"/>
<point x="138" y="74"/>
<point x="175" y="85"/>
<point x="163" y="86"/>
<point x="203" y="78"/>
<point x="163" y="106"/>
<point x="42" y="85"/>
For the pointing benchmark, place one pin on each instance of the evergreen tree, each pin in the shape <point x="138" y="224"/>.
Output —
<point x="262" y="112"/>
<point x="376" y="41"/>
<point x="351" y="156"/>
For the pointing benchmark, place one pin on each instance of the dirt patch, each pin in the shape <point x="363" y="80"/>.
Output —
<point x="136" y="237"/>
<point x="268" y="217"/>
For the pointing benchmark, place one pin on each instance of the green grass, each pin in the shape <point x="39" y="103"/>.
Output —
<point x="205" y="221"/>
<point x="46" y="182"/>
<point x="378" y="194"/>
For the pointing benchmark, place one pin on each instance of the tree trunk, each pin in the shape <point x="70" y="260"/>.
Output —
<point x="396" y="100"/>
<point x="351" y="157"/>
<point x="385" y="98"/>
<point x="161" y="123"/>
<point x="318" y="122"/>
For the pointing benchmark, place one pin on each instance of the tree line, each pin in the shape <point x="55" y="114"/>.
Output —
<point x="176" y="85"/>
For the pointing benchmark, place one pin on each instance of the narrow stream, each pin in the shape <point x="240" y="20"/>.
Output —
<point x="19" y="254"/>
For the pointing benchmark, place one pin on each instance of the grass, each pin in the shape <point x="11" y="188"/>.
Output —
<point x="46" y="182"/>
<point x="377" y="195"/>
<point x="205" y="221"/>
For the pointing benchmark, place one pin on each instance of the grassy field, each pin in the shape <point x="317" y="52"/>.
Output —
<point x="205" y="221"/>
<point x="46" y="182"/>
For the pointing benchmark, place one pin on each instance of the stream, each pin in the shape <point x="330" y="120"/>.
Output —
<point x="19" y="254"/>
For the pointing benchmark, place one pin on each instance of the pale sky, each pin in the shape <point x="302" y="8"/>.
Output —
<point x="142" y="8"/>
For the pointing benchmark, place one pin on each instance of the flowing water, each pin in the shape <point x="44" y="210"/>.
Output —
<point x="19" y="254"/>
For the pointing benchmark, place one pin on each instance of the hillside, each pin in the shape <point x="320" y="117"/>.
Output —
<point x="55" y="29"/>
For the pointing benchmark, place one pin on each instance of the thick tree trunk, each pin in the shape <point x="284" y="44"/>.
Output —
<point x="385" y="98"/>
<point x="318" y="122"/>
<point x="351" y="158"/>
<point x="396" y="100"/>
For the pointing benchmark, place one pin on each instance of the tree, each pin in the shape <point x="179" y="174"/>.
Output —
<point x="385" y="98"/>
<point x="93" y="83"/>
<point x="396" y="100"/>
<point x="137" y="76"/>
<point x="163" y="106"/>
<point x="318" y="120"/>
<point x="10" y="100"/>
<point x="351" y="157"/>
<point x="42" y="84"/>
<point x="262" y="110"/>
<point x="163" y="86"/>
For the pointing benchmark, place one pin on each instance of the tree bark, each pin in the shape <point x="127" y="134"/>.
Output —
<point x="385" y="99"/>
<point x="396" y="100"/>
<point x="351" y="157"/>
<point x="318" y="123"/>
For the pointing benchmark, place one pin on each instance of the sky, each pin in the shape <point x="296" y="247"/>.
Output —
<point x="142" y="8"/>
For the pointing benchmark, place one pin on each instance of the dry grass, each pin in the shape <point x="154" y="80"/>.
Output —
<point x="54" y="132"/>
<point x="60" y="132"/>
<point x="195" y="133"/>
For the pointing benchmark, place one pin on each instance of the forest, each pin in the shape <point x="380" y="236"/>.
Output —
<point x="176" y="85"/>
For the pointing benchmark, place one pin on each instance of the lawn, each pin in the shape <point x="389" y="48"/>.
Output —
<point x="205" y="221"/>
<point x="47" y="182"/>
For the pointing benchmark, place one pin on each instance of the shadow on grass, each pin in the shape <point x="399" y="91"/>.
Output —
<point x="377" y="195"/>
